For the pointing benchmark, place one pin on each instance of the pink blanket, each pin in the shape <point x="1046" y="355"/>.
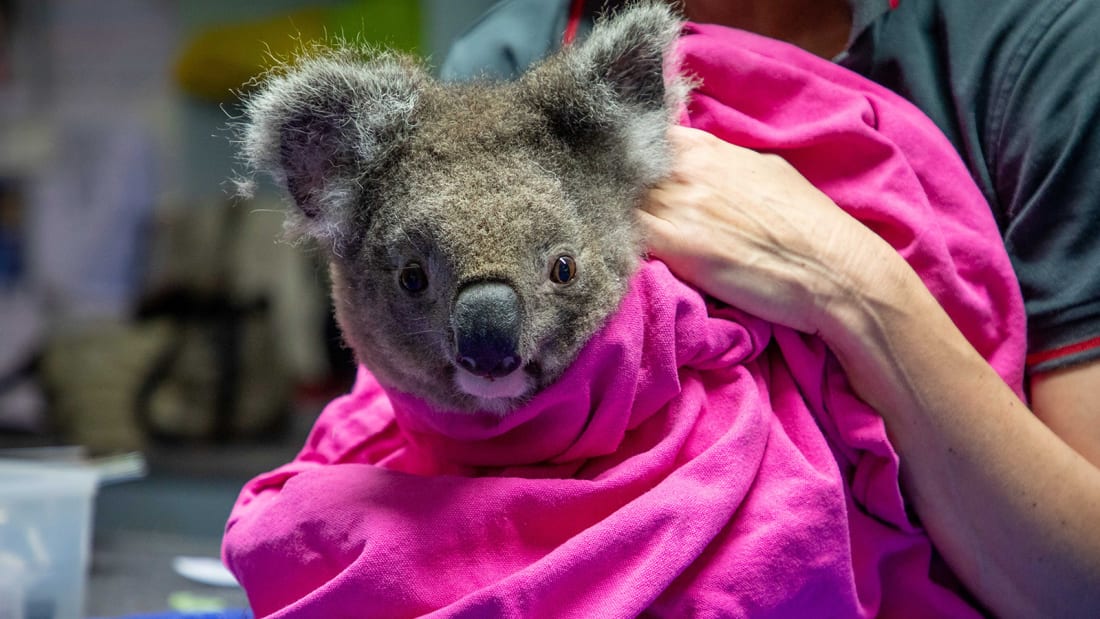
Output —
<point x="694" y="461"/>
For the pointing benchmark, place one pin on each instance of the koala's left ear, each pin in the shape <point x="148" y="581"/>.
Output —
<point x="630" y="52"/>
<point x="622" y="78"/>
<point x="322" y="127"/>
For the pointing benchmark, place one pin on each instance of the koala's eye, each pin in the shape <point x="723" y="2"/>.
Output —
<point x="413" y="278"/>
<point x="563" y="270"/>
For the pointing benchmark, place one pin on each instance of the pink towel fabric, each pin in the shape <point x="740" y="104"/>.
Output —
<point x="694" y="461"/>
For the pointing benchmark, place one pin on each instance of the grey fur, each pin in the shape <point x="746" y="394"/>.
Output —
<point x="475" y="182"/>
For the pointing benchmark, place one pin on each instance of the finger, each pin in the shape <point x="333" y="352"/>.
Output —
<point x="685" y="138"/>
<point x="650" y="221"/>
<point x="680" y="133"/>
<point x="658" y="234"/>
<point x="656" y="202"/>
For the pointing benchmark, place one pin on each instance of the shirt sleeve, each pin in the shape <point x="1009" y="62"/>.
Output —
<point x="1045" y="160"/>
<point x="510" y="37"/>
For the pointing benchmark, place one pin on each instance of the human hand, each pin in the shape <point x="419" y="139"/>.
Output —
<point x="750" y="230"/>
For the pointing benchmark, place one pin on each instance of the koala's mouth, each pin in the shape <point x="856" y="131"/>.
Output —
<point x="499" y="393"/>
<point x="515" y="385"/>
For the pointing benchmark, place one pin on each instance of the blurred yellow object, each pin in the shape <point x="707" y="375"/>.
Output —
<point x="188" y="602"/>
<point x="222" y="59"/>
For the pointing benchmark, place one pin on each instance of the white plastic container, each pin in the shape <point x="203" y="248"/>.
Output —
<point x="45" y="539"/>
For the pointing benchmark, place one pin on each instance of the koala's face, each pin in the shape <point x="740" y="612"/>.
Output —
<point x="478" y="234"/>
<point x="491" y="255"/>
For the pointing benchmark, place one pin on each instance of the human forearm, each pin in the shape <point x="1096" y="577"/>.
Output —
<point x="1011" y="507"/>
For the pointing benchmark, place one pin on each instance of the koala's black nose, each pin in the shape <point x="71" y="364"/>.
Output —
<point x="486" y="322"/>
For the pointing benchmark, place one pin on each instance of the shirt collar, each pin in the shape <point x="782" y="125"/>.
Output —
<point x="865" y="12"/>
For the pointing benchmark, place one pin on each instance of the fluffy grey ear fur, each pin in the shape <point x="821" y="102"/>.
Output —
<point x="623" y="79"/>
<point x="631" y="52"/>
<point x="324" y="126"/>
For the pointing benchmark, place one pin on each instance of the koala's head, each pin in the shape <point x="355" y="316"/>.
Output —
<point x="478" y="234"/>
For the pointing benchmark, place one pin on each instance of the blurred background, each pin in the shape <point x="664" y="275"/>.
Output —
<point x="150" y="324"/>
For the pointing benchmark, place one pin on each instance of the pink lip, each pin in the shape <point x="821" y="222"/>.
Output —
<point x="514" y="385"/>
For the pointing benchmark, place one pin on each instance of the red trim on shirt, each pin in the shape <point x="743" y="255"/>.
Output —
<point x="894" y="3"/>
<point x="576" y="11"/>
<point x="1064" y="351"/>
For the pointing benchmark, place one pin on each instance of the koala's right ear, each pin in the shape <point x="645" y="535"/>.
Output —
<point x="324" y="127"/>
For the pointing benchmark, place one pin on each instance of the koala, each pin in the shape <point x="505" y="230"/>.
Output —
<point x="477" y="234"/>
